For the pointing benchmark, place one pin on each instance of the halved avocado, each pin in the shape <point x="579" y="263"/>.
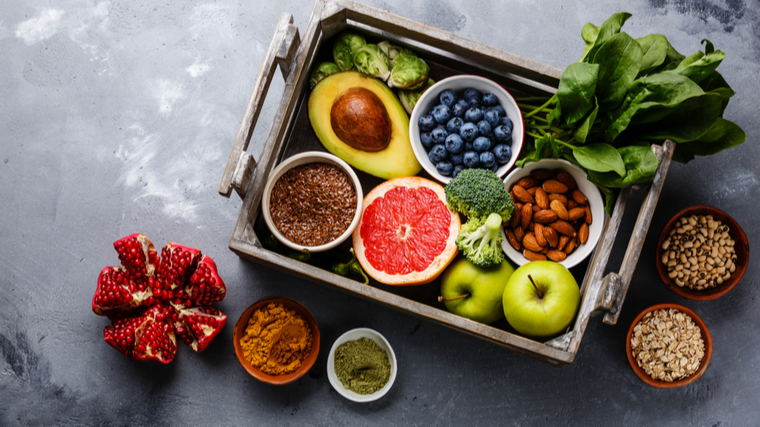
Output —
<point x="372" y="124"/>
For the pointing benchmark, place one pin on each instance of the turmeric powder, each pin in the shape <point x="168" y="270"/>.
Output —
<point x="276" y="340"/>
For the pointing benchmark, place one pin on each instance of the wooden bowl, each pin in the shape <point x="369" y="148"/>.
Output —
<point x="680" y="383"/>
<point x="741" y="248"/>
<point x="239" y="332"/>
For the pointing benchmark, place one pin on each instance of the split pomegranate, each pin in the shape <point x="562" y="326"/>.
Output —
<point x="150" y="300"/>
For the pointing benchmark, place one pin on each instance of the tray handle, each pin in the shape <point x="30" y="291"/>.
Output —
<point x="282" y="50"/>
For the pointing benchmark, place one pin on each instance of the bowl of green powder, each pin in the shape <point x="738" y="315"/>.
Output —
<point x="361" y="366"/>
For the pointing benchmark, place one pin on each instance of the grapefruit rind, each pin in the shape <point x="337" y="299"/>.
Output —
<point x="441" y="260"/>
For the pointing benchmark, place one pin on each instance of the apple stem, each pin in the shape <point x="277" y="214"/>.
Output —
<point x="442" y="299"/>
<point x="540" y="294"/>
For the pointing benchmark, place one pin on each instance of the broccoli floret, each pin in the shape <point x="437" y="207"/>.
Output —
<point x="480" y="241"/>
<point x="478" y="193"/>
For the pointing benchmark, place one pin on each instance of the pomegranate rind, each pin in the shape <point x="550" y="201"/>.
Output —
<point x="199" y="325"/>
<point x="402" y="275"/>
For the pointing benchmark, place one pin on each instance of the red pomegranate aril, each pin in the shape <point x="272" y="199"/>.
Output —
<point x="137" y="254"/>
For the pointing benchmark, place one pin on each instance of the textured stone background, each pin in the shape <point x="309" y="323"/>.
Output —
<point x="118" y="116"/>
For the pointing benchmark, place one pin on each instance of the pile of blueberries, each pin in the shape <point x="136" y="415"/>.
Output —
<point x="468" y="132"/>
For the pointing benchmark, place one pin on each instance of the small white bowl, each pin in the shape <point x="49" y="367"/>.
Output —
<point x="352" y="335"/>
<point x="458" y="84"/>
<point x="596" y="203"/>
<point x="302" y="159"/>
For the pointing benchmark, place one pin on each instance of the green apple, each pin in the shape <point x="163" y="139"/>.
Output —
<point x="475" y="292"/>
<point x="541" y="299"/>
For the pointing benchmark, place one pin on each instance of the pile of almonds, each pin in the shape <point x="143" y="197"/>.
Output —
<point x="551" y="216"/>
<point x="699" y="253"/>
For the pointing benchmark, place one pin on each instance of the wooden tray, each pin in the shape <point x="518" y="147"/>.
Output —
<point x="447" y="54"/>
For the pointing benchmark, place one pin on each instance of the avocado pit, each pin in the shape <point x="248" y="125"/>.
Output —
<point x="359" y="118"/>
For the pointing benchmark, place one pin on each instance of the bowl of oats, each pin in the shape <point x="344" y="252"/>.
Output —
<point x="668" y="346"/>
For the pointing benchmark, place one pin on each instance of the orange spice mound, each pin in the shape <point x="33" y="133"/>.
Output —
<point x="276" y="340"/>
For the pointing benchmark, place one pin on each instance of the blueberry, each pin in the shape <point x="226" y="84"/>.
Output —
<point x="442" y="127"/>
<point x="484" y="128"/>
<point x="468" y="146"/>
<point x="426" y="139"/>
<point x="469" y="132"/>
<point x="427" y="123"/>
<point x="494" y="167"/>
<point x="470" y="159"/>
<point x="492" y="117"/>
<point x="503" y="153"/>
<point x="499" y="109"/>
<point x="474" y="102"/>
<point x="473" y="115"/>
<point x="506" y="121"/>
<point x="438" y="135"/>
<point x="448" y="98"/>
<point x="471" y="93"/>
<point x="489" y="100"/>
<point x="457" y="169"/>
<point x="487" y="159"/>
<point x="454" y="124"/>
<point x="441" y="113"/>
<point x="502" y="133"/>
<point x="454" y="143"/>
<point x="444" y="168"/>
<point x="481" y="144"/>
<point x="459" y="108"/>
<point x="438" y="153"/>
<point x="456" y="158"/>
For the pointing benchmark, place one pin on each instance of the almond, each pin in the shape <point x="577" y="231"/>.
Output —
<point x="531" y="244"/>
<point x="514" y="221"/>
<point x="542" y="200"/>
<point x="570" y="246"/>
<point x="551" y="236"/>
<point x="588" y="215"/>
<point x="583" y="233"/>
<point x="522" y="195"/>
<point x="531" y="225"/>
<point x="545" y="216"/>
<point x="558" y="208"/>
<point x="568" y="180"/>
<point x="532" y="256"/>
<point x="526" y="214"/>
<point x="562" y="199"/>
<point x="576" y="213"/>
<point x="532" y="191"/>
<point x="572" y="204"/>
<point x="513" y="240"/>
<point x="519" y="234"/>
<point x="538" y="230"/>
<point x="536" y="208"/>
<point x="542" y="174"/>
<point x="562" y="242"/>
<point x="579" y="197"/>
<point x="527" y="182"/>
<point x="555" y="255"/>
<point x="554" y="186"/>
<point x="563" y="227"/>
<point x="544" y="250"/>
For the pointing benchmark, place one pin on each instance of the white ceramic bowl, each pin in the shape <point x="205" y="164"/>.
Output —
<point x="302" y="159"/>
<point x="458" y="84"/>
<point x="353" y="335"/>
<point x="596" y="203"/>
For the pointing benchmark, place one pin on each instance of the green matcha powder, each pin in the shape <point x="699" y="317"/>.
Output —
<point x="362" y="366"/>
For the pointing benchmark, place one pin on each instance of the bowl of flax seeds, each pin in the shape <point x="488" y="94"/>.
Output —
<point x="312" y="201"/>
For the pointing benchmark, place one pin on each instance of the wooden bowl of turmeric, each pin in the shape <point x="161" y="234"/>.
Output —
<point x="276" y="340"/>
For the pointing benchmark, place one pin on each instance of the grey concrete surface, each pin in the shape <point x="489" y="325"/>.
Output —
<point x="117" y="117"/>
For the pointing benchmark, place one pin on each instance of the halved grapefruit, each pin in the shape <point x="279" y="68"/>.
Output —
<point x="406" y="234"/>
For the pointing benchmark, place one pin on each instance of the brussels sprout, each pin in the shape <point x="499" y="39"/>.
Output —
<point x="370" y="59"/>
<point x="344" y="47"/>
<point x="409" y="98"/>
<point x="409" y="72"/>
<point x="323" y="70"/>
<point x="393" y="51"/>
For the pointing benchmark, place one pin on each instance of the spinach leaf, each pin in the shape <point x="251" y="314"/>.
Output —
<point x="723" y="135"/>
<point x="655" y="50"/>
<point x="600" y="157"/>
<point x="576" y="90"/>
<point x="715" y="83"/>
<point x="640" y="166"/>
<point x="535" y="153"/>
<point x="699" y="66"/>
<point x="619" y="60"/>
<point x="589" y="33"/>
<point x="584" y="129"/>
<point x="682" y="122"/>
<point x="609" y="28"/>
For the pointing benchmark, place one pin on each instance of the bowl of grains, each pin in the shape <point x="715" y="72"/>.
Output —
<point x="276" y="340"/>
<point x="312" y="201"/>
<point x="668" y="346"/>
<point x="702" y="253"/>
<point x="361" y="365"/>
